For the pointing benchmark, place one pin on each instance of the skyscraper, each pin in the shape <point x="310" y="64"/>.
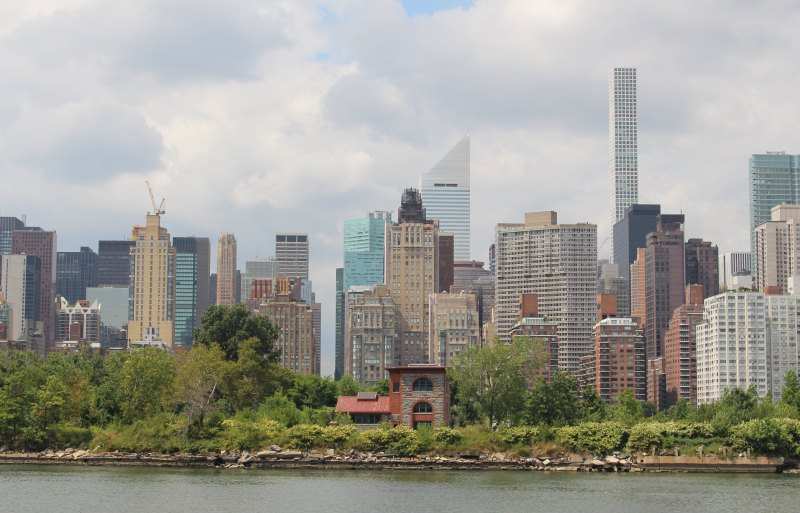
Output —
<point x="114" y="263"/>
<point x="257" y="270"/>
<point x="680" y="347"/>
<point x="630" y="234"/>
<point x="454" y="326"/>
<point x="226" y="269"/>
<point x="34" y="241"/>
<point x="370" y="333"/>
<point x="339" y="348"/>
<point x="558" y="263"/>
<point x="702" y="265"/>
<point x="7" y="226"/>
<point x="75" y="270"/>
<point x="296" y="342"/>
<point x="446" y="196"/>
<point x="153" y="284"/>
<point x="291" y="253"/>
<point x="623" y="133"/>
<point x="736" y="267"/>
<point x="192" y="266"/>
<point x="774" y="179"/>
<point x="470" y="276"/>
<point x="20" y="285"/>
<point x="364" y="249"/>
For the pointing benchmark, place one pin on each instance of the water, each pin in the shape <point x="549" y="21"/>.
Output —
<point x="67" y="489"/>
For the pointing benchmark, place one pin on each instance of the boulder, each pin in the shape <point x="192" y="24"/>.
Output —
<point x="246" y="457"/>
<point x="275" y="448"/>
<point x="288" y="455"/>
<point x="612" y="460"/>
<point x="80" y="454"/>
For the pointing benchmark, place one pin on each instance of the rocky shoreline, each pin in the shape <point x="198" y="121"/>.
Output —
<point x="277" y="458"/>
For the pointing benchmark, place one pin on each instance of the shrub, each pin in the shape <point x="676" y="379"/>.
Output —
<point x="161" y="433"/>
<point x="337" y="436"/>
<point x="245" y="432"/>
<point x="447" y="436"/>
<point x="648" y="435"/>
<point x="598" y="438"/>
<point x="767" y="436"/>
<point x="399" y="440"/>
<point x="61" y="436"/>
<point x="520" y="435"/>
<point x="304" y="436"/>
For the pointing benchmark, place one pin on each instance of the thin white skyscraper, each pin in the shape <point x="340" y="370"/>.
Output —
<point x="623" y="134"/>
<point x="446" y="196"/>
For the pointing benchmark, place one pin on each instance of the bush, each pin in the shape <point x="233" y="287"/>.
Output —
<point x="648" y="435"/>
<point x="447" y="436"/>
<point x="598" y="438"/>
<point x="245" y="432"/>
<point x="61" y="436"/>
<point x="399" y="440"/>
<point x="767" y="436"/>
<point x="304" y="436"/>
<point x="161" y="433"/>
<point x="337" y="436"/>
<point x="520" y="435"/>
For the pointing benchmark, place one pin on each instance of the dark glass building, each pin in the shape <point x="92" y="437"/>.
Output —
<point x="192" y="267"/>
<point x="114" y="262"/>
<point x="75" y="271"/>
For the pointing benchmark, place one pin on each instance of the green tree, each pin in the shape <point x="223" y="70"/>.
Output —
<point x="230" y="326"/>
<point x="627" y="409"/>
<point x="348" y="386"/>
<point x="556" y="403"/>
<point x="313" y="391"/>
<point x="198" y="381"/>
<point x="791" y="391"/>
<point x="490" y="381"/>
<point x="147" y="380"/>
<point x="254" y="377"/>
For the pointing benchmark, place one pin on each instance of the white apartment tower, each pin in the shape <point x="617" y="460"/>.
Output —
<point x="623" y="134"/>
<point x="778" y="250"/>
<point x="558" y="263"/>
<point x="291" y="254"/>
<point x="446" y="196"/>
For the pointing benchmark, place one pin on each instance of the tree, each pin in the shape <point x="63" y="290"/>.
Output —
<point x="791" y="391"/>
<point x="198" y="381"/>
<point x="627" y="409"/>
<point x="230" y="326"/>
<point x="313" y="392"/>
<point x="348" y="386"/>
<point x="490" y="381"/>
<point x="254" y="377"/>
<point x="147" y="378"/>
<point x="557" y="403"/>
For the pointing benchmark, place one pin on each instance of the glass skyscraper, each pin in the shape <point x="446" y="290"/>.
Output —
<point x="446" y="196"/>
<point x="191" y="285"/>
<point x="7" y="227"/>
<point x="364" y="249"/>
<point x="623" y="135"/>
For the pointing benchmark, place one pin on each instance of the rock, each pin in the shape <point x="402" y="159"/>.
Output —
<point x="498" y="456"/>
<point x="330" y="453"/>
<point x="288" y="455"/>
<point x="245" y="458"/>
<point x="80" y="454"/>
<point x="275" y="448"/>
<point x="612" y="460"/>
<point x="265" y="454"/>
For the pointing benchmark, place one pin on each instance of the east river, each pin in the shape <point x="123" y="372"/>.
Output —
<point x="68" y="489"/>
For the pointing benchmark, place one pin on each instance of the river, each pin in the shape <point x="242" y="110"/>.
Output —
<point x="75" y="489"/>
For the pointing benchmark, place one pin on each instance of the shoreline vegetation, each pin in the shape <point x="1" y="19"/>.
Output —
<point x="227" y="403"/>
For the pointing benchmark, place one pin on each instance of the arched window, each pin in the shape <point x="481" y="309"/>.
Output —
<point x="423" y="385"/>
<point x="423" y="408"/>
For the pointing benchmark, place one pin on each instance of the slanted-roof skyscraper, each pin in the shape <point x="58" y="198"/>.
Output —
<point x="623" y="134"/>
<point x="446" y="196"/>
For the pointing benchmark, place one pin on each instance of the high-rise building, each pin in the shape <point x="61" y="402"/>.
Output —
<point x="296" y="342"/>
<point x="623" y="134"/>
<point x="746" y="339"/>
<point x="619" y="359"/>
<point x="543" y="334"/>
<point x="192" y="266"/>
<point x="364" y="249"/>
<point x="114" y="263"/>
<point x="493" y="258"/>
<point x="114" y="304"/>
<point x="212" y="289"/>
<point x="778" y="250"/>
<point x="34" y="241"/>
<point x="316" y="323"/>
<point x="638" y="290"/>
<point x="446" y="196"/>
<point x="75" y="271"/>
<point x="702" y="265"/>
<point x="558" y="263"/>
<point x="736" y="268"/>
<point x="153" y="284"/>
<point x="257" y="270"/>
<point x="338" y="371"/>
<point x="445" y="262"/>
<point x="611" y="281"/>
<point x="680" y="347"/>
<point x="77" y="322"/>
<point x="454" y="326"/>
<point x="412" y="275"/>
<point x="226" y="269"/>
<point x="371" y="337"/>
<point x="7" y="227"/>
<point x="20" y="285"/>
<point x="630" y="234"/>
<point x="470" y="276"/>
<point x="291" y="253"/>
<point x="774" y="179"/>
<point x="664" y="279"/>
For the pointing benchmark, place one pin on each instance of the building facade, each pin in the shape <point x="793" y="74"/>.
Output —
<point x="297" y="344"/>
<point x="371" y="334"/>
<point x="257" y="270"/>
<point x="778" y="250"/>
<point x="78" y="322"/>
<point x="339" y="344"/>
<point x="629" y="235"/>
<point x="34" y="241"/>
<point x="292" y="254"/>
<point x="736" y="265"/>
<point x="446" y="263"/>
<point x="20" y="285"/>
<point x="680" y="348"/>
<point x="454" y="326"/>
<point x="470" y="276"/>
<point x="446" y="195"/>
<point x="226" y="269"/>
<point x="619" y="359"/>
<point x="114" y="305"/>
<point x="7" y="227"/>
<point x="702" y="265"/>
<point x="192" y="271"/>
<point x="419" y="396"/>
<point x="623" y="134"/>
<point x="75" y="271"/>
<point x="114" y="265"/>
<point x="152" y="290"/>
<point x="557" y="263"/>
<point x="364" y="249"/>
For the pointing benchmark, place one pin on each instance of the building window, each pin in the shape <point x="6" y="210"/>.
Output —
<point x="423" y="408"/>
<point x="396" y="386"/>
<point x="423" y="385"/>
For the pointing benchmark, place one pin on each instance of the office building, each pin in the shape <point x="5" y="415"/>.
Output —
<point x="192" y="266"/>
<point x="736" y="269"/>
<point x="33" y="241"/>
<point x="778" y="250"/>
<point x="680" y="348"/>
<point x="656" y="383"/>
<point x="371" y="334"/>
<point x="296" y="342"/>
<point x="75" y="271"/>
<point x="611" y="281"/>
<point x="114" y="263"/>
<point x="153" y="284"/>
<point x="623" y="134"/>
<point x="619" y="359"/>
<point x="746" y="339"/>
<point x="77" y="323"/>
<point x="316" y="324"/>
<point x="454" y="326"/>
<point x="493" y="258"/>
<point x="338" y="371"/>
<point x="445" y="262"/>
<point x="20" y="285"/>
<point x="664" y="268"/>
<point x="226" y="269"/>
<point x="470" y="276"/>
<point x="291" y="253"/>
<point x="446" y="196"/>
<point x="114" y="305"/>
<point x="7" y="227"/>
<point x="702" y="265"/>
<point x="638" y="290"/>
<point x="412" y="275"/>
<point x="257" y="270"/>
<point x="558" y="263"/>
<point x="364" y="249"/>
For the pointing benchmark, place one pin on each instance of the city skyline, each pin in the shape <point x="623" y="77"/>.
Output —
<point x="189" y="132"/>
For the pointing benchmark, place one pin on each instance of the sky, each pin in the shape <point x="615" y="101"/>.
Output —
<point x="257" y="116"/>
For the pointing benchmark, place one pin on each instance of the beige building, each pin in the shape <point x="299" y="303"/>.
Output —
<point x="638" y="291"/>
<point x="152" y="283"/>
<point x="411" y="274"/>
<point x="296" y="342"/>
<point x="371" y="337"/>
<point x="558" y="263"/>
<point x="454" y="326"/>
<point x="777" y="245"/>
<point x="226" y="269"/>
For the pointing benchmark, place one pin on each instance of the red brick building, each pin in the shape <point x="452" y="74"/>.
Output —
<point x="619" y="359"/>
<point x="680" y="348"/>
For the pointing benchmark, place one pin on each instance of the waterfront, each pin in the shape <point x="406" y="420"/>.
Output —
<point x="75" y="489"/>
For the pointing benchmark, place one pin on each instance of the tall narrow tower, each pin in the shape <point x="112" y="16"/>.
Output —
<point x="446" y="196"/>
<point x="226" y="269"/>
<point x="623" y="134"/>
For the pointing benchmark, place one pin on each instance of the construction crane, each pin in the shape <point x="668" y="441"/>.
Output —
<point x="157" y="210"/>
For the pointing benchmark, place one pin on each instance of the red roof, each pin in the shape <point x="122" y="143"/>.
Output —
<point x="352" y="404"/>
